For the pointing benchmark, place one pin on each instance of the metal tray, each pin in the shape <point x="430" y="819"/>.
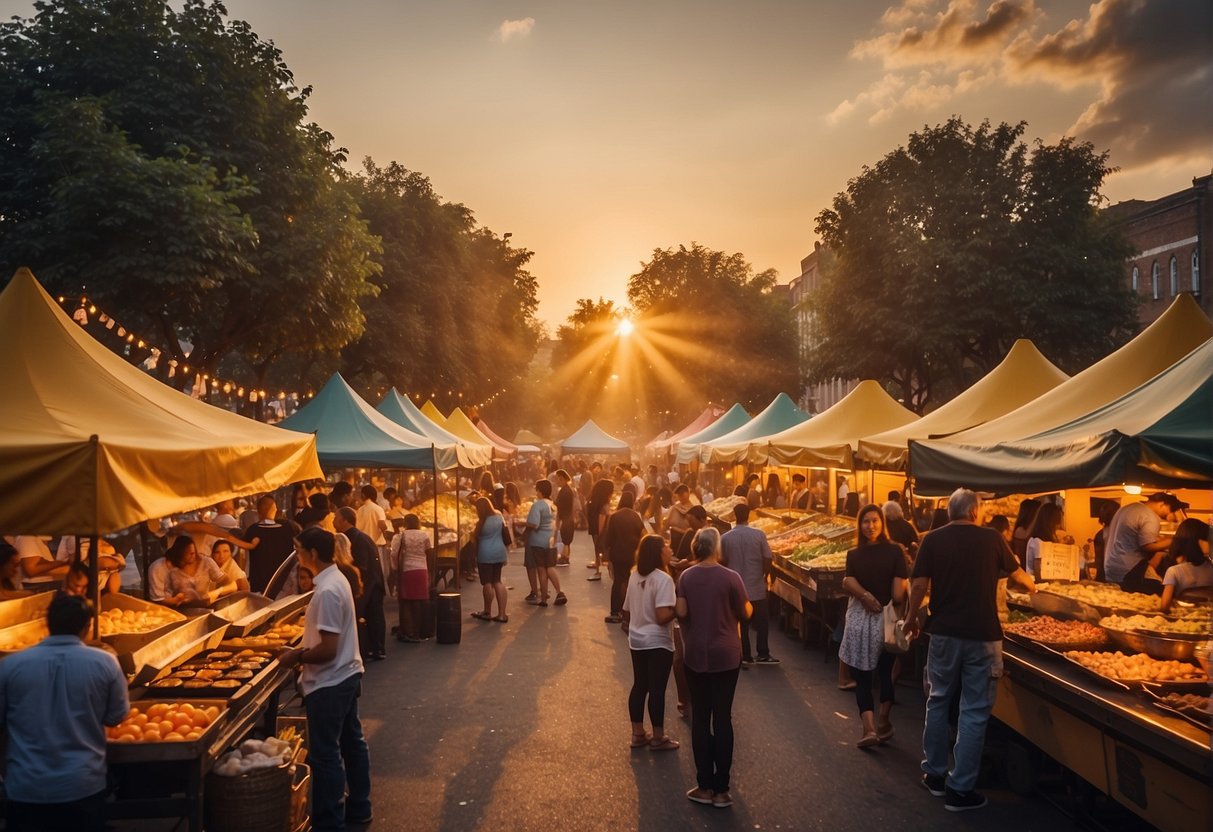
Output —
<point x="125" y="643"/>
<point x="1192" y="685"/>
<point x="35" y="629"/>
<point x="280" y="610"/>
<point x="1153" y="645"/>
<point x="1037" y="644"/>
<point x="1156" y="699"/>
<point x="21" y="610"/>
<point x="156" y="658"/>
<point x="152" y="752"/>
<point x="1060" y="606"/>
<point x="237" y="607"/>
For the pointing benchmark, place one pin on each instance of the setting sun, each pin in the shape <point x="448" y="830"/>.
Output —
<point x="625" y="328"/>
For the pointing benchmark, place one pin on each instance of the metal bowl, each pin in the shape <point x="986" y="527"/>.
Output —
<point x="1201" y="653"/>
<point x="1156" y="647"/>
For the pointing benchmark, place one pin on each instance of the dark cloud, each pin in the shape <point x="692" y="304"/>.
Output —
<point x="1001" y="20"/>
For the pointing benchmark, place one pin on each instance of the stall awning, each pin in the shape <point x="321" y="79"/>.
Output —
<point x="687" y="448"/>
<point x="497" y="441"/>
<point x="1159" y="434"/>
<point x="526" y="437"/>
<point x="403" y="412"/>
<point x="830" y="437"/>
<point x="591" y="439"/>
<point x="459" y="424"/>
<point x="668" y="440"/>
<point x="431" y="412"/>
<point x="780" y="415"/>
<point x="352" y="434"/>
<point x="90" y="444"/>
<point x="1019" y="378"/>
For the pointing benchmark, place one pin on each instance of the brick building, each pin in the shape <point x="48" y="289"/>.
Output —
<point x="1172" y="236"/>
<point x="816" y="397"/>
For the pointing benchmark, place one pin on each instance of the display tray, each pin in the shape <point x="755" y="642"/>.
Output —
<point x="1155" y="645"/>
<point x="1051" y="647"/>
<point x="268" y="613"/>
<point x="1201" y="719"/>
<point x="1178" y="686"/>
<point x="22" y="610"/>
<point x="152" y="660"/>
<point x="231" y="692"/>
<point x="154" y="752"/>
<point x="131" y="642"/>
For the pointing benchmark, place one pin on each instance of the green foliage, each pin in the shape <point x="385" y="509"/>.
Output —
<point x="726" y="331"/>
<point x="456" y="306"/>
<point x="951" y="247"/>
<point x="162" y="160"/>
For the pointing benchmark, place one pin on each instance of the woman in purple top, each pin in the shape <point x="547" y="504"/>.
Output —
<point x="711" y="605"/>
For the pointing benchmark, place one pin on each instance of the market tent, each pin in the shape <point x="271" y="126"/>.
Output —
<point x="90" y="444"/>
<point x="709" y="415"/>
<point x="780" y="415"/>
<point x="1159" y="434"/>
<point x="403" y="412"/>
<point x="1019" y="378"/>
<point x="352" y="434"/>
<point x="525" y="437"/>
<point x="688" y="446"/>
<point x="591" y="439"/>
<point x="497" y="441"/>
<point x="431" y="412"/>
<point x="459" y="424"/>
<point x="829" y="439"/>
<point x="1178" y="331"/>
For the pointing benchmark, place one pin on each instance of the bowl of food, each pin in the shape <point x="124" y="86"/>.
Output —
<point x="1154" y="646"/>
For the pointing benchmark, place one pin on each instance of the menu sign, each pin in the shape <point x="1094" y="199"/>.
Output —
<point x="1060" y="561"/>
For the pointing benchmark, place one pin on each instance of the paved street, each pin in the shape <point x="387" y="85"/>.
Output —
<point x="524" y="726"/>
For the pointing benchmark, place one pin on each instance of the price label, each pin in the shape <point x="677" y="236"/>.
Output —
<point x="1060" y="561"/>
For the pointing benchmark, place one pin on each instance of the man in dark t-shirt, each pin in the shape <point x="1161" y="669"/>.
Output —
<point x="566" y="517"/>
<point x="276" y="542"/>
<point x="960" y="564"/>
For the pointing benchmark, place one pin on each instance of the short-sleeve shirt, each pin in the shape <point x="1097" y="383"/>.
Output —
<point x="196" y="586"/>
<point x="716" y="600"/>
<point x="331" y="610"/>
<point x="746" y="551"/>
<point x="411" y="548"/>
<point x="490" y="548"/>
<point x="275" y="543"/>
<point x="1132" y="527"/>
<point x="1184" y="576"/>
<point x="34" y="546"/>
<point x="55" y="700"/>
<point x="540" y="516"/>
<point x="370" y="514"/>
<point x="624" y="529"/>
<point x="875" y="566"/>
<point x="964" y="563"/>
<point x="564" y="504"/>
<point x="157" y="579"/>
<point x="232" y="571"/>
<point x="645" y="594"/>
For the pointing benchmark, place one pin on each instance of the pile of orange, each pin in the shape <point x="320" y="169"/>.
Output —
<point x="164" y="722"/>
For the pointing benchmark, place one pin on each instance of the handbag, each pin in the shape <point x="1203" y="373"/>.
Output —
<point x="506" y="537"/>
<point x="895" y="640"/>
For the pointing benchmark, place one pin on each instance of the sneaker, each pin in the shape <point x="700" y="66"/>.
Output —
<point x="613" y="619"/>
<point x="746" y="662"/>
<point x="955" y="801"/>
<point x="767" y="660"/>
<point x="698" y="795"/>
<point x="934" y="783"/>
<point x="562" y="562"/>
<point x="595" y="577"/>
<point x="721" y="800"/>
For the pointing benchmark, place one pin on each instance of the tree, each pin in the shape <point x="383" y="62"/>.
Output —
<point x="584" y="358"/>
<point x="712" y="329"/>
<point x="951" y="247"/>
<point x="455" y="308"/>
<point x="163" y="161"/>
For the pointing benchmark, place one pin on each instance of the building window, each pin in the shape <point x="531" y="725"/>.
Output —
<point x="1196" y="272"/>
<point x="1174" y="276"/>
<point x="1136" y="278"/>
<point x="1155" y="282"/>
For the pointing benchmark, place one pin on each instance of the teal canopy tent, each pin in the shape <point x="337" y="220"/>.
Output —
<point x="403" y="412"/>
<point x="688" y="446"/>
<point x="781" y="414"/>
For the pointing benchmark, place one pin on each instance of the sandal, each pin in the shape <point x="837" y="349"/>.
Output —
<point x="482" y="616"/>
<point x="560" y="599"/>
<point x="502" y="619"/>
<point x="664" y="744"/>
<point x="597" y="576"/>
<point x="641" y="740"/>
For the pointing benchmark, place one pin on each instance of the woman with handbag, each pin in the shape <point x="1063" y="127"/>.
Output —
<point x="876" y="577"/>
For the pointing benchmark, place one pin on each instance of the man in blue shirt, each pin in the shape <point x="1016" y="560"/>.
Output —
<point x="746" y="551"/>
<point x="55" y="700"/>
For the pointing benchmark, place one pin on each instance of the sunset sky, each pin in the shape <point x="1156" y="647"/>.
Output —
<point x="596" y="132"/>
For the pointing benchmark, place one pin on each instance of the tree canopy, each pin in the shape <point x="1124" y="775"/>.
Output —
<point x="954" y="245"/>
<point x="162" y="161"/>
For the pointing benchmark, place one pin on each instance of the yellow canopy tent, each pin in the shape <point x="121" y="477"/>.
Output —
<point x="90" y="444"/>
<point x="1019" y="378"/>
<point x="431" y="412"/>
<point x="1178" y="331"/>
<point x="459" y="424"/>
<point x="830" y="438"/>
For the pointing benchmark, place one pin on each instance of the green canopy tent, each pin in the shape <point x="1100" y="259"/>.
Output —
<point x="780" y="415"/>
<point x="688" y="446"/>
<point x="1159" y="434"/>
<point x="403" y="412"/>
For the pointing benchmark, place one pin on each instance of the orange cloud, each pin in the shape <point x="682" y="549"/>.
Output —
<point x="510" y="29"/>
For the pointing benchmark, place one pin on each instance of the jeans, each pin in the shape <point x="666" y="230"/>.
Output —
<point x="761" y="622"/>
<point x="972" y="668"/>
<point x="338" y="755"/>
<point x="863" y="682"/>
<point x="650" y="674"/>
<point x="712" y="726"/>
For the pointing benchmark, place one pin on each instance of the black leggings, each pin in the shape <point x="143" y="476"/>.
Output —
<point x="650" y="673"/>
<point x="712" y="726"/>
<point x="619" y="585"/>
<point x="863" y="682"/>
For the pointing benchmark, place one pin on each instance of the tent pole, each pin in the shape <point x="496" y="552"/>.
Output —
<point x="143" y="556"/>
<point x="93" y="582"/>
<point x="434" y="468"/>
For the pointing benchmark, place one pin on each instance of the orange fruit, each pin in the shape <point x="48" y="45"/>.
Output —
<point x="157" y="710"/>
<point x="173" y="736"/>
<point x="167" y="725"/>
<point x="125" y="738"/>
<point x="139" y="719"/>
<point x="200" y="720"/>
<point x="212" y="711"/>
<point x="151" y="735"/>
<point x="193" y="735"/>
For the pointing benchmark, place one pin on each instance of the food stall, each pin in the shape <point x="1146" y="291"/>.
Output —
<point x="1106" y="685"/>
<point x="89" y="445"/>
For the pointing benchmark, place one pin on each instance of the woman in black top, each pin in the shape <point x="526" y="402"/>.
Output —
<point x="620" y="538"/>
<point x="597" y="509"/>
<point x="876" y="574"/>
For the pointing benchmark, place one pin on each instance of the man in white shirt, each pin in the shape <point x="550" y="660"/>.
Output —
<point x="372" y="519"/>
<point x="331" y="680"/>
<point x="39" y="569"/>
<point x="637" y="482"/>
<point x="1135" y="547"/>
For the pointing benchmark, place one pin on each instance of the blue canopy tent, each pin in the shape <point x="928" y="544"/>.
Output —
<point x="403" y="412"/>
<point x="688" y="446"/>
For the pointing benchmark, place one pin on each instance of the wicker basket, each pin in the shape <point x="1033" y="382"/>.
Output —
<point x="259" y="801"/>
<point x="301" y="798"/>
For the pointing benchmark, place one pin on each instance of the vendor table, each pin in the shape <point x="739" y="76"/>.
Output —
<point x="1156" y="765"/>
<point x="258" y="707"/>
<point x="816" y="600"/>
